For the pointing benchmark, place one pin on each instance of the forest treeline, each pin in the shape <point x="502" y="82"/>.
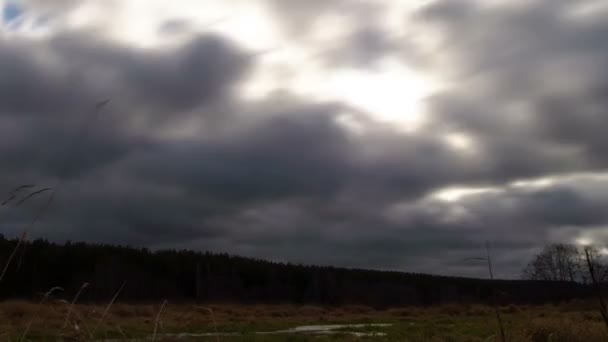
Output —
<point x="182" y="275"/>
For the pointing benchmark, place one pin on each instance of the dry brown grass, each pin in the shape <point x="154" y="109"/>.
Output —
<point x="564" y="330"/>
<point x="14" y="316"/>
<point x="531" y="323"/>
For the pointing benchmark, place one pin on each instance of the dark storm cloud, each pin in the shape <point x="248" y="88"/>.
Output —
<point x="532" y="84"/>
<point x="531" y="93"/>
<point x="517" y="221"/>
<point x="300" y="152"/>
<point x="282" y="178"/>
<point x="27" y="85"/>
<point x="521" y="50"/>
<point x="169" y="81"/>
<point x="48" y="94"/>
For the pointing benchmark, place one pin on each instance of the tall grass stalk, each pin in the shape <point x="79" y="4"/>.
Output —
<point x="488" y="259"/>
<point x="494" y="304"/>
<point x="597" y="287"/>
<point x="105" y="312"/>
<point x="67" y="315"/>
<point x="23" y="237"/>
<point x="13" y="193"/>
<point x="158" y="319"/>
<point x="217" y="333"/>
<point x="44" y="298"/>
<point x="77" y="137"/>
<point x="32" y="194"/>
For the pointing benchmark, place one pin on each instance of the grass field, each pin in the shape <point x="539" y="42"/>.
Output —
<point x="575" y="321"/>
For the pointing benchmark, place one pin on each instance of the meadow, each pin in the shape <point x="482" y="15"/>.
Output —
<point x="57" y="320"/>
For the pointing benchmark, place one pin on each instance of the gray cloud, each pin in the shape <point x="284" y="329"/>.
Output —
<point x="167" y="81"/>
<point x="48" y="92"/>
<point x="298" y="17"/>
<point x="179" y="158"/>
<point x="532" y="84"/>
<point x="363" y="48"/>
<point x="298" y="153"/>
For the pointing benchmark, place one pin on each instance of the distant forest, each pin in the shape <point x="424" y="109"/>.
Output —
<point x="182" y="275"/>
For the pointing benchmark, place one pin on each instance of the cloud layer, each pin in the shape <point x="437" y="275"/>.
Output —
<point x="510" y="148"/>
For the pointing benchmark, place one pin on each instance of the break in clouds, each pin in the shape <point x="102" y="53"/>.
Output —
<point x="508" y="147"/>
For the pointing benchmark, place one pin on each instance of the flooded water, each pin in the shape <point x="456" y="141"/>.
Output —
<point x="324" y="329"/>
<point x="328" y="329"/>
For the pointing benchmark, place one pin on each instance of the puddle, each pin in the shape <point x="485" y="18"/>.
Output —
<point x="325" y="329"/>
<point x="331" y="329"/>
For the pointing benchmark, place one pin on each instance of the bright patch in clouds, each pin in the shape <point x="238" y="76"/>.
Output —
<point x="390" y="92"/>
<point x="455" y="194"/>
<point x="393" y="93"/>
<point x="460" y="142"/>
<point x="584" y="241"/>
<point x="536" y="183"/>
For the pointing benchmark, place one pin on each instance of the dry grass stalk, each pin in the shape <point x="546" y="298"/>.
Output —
<point x="10" y="198"/>
<point x="217" y="334"/>
<point x="596" y="284"/>
<point x="67" y="316"/>
<point x="32" y="194"/>
<point x="23" y="237"/>
<point x="496" y="311"/>
<point x="21" y="187"/>
<point x="158" y="319"/>
<point x="13" y="193"/>
<point x="79" y="135"/>
<point x="122" y="333"/>
<point x="488" y="259"/>
<point x="44" y="298"/>
<point x="105" y="312"/>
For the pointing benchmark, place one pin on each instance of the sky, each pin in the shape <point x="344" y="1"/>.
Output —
<point x="393" y="135"/>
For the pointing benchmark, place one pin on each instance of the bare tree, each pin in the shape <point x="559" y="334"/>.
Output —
<point x="565" y="262"/>
<point x="596" y="263"/>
